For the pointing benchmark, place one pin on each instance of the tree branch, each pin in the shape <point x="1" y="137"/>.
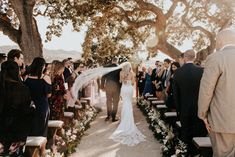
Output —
<point x="8" y="29"/>
<point x="136" y="24"/>
<point x="40" y="13"/>
<point x="172" y="9"/>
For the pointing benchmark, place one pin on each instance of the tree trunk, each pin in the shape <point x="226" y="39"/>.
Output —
<point x="30" y="41"/>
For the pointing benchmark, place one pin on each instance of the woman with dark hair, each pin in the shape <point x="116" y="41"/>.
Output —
<point x="40" y="89"/>
<point x="169" y="101"/>
<point x="15" y="112"/>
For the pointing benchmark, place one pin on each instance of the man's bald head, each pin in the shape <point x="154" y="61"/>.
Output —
<point x="189" y="55"/>
<point x="224" y="38"/>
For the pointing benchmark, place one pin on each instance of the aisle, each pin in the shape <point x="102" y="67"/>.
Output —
<point x="95" y="142"/>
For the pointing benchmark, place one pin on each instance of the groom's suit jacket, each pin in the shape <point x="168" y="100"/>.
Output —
<point x="112" y="77"/>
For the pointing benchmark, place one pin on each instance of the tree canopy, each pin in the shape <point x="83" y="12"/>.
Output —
<point x="123" y="26"/>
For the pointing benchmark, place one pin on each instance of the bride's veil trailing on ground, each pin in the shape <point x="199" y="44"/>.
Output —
<point x="88" y="75"/>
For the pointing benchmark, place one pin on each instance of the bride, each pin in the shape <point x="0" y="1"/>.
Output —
<point x="127" y="132"/>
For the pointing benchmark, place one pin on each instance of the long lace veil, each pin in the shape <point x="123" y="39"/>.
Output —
<point x="86" y="76"/>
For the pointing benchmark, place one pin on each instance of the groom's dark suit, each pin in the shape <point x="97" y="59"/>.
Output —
<point x="110" y="82"/>
<point x="186" y="84"/>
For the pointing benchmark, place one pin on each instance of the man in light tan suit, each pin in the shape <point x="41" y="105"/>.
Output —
<point x="216" y="104"/>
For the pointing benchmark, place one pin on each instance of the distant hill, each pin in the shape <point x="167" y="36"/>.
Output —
<point x="49" y="54"/>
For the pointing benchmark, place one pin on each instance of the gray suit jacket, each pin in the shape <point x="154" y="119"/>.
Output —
<point x="217" y="91"/>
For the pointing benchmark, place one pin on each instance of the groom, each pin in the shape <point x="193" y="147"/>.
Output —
<point x="110" y="83"/>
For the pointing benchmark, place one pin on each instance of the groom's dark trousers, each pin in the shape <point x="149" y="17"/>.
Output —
<point x="112" y="87"/>
<point x="113" y="95"/>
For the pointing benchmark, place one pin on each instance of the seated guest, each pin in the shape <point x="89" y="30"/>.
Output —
<point x="15" y="112"/>
<point x="40" y="89"/>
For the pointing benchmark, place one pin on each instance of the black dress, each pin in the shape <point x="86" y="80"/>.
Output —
<point x="170" y="99"/>
<point x="16" y="115"/>
<point x="39" y="90"/>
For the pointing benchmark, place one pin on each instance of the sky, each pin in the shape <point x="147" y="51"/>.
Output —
<point x="68" y="41"/>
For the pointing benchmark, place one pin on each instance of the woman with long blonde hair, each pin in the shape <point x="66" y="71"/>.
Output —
<point x="127" y="132"/>
<point x="57" y="100"/>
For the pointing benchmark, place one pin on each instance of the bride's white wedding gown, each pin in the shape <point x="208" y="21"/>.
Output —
<point x="127" y="132"/>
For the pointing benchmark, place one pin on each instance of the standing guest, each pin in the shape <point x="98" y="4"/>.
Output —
<point x="167" y="72"/>
<point x="17" y="56"/>
<point x="15" y="112"/>
<point x="40" y="89"/>
<point x="186" y="84"/>
<point x="78" y="71"/>
<point x="154" y="75"/>
<point x="157" y="81"/>
<point x="216" y="97"/>
<point x="57" y="100"/>
<point x="3" y="58"/>
<point x="148" y="87"/>
<point x="47" y="70"/>
<point x="141" y="80"/>
<point x="67" y="71"/>
<point x="23" y="73"/>
<point x="170" y="100"/>
<point x="181" y="59"/>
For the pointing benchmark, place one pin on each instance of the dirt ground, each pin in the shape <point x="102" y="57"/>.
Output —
<point x="96" y="142"/>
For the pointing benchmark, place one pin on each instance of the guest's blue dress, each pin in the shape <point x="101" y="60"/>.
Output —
<point x="39" y="89"/>
<point x="148" y="88"/>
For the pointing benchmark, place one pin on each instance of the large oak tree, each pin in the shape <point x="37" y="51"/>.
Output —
<point x="119" y="26"/>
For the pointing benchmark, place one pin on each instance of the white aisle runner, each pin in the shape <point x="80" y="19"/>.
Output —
<point x="96" y="142"/>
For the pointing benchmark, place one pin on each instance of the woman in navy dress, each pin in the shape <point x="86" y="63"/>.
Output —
<point x="40" y="89"/>
<point x="148" y="88"/>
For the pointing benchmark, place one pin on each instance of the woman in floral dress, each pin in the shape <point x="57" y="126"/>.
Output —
<point x="57" y="100"/>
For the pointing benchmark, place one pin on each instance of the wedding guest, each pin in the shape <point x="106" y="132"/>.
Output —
<point x="170" y="100"/>
<point x="57" y="100"/>
<point x="47" y="70"/>
<point x="216" y="97"/>
<point x="186" y="82"/>
<point x="3" y="58"/>
<point x="167" y="72"/>
<point x="155" y="75"/>
<point x="15" y="112"/>
<point x="148" y="87"/>
<point x="40" y="90"/>
<point x="72" y="99"/>
<point x="157" y="81"/>
<point x="67" y="71"/>
<point x="17" y="56"/>
<point x="23" y="73"/>
<point x="141" y="80"/>
<point x="181" y="59"/>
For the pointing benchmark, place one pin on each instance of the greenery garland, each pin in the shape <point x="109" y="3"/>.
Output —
<point x="171" y="145"/>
